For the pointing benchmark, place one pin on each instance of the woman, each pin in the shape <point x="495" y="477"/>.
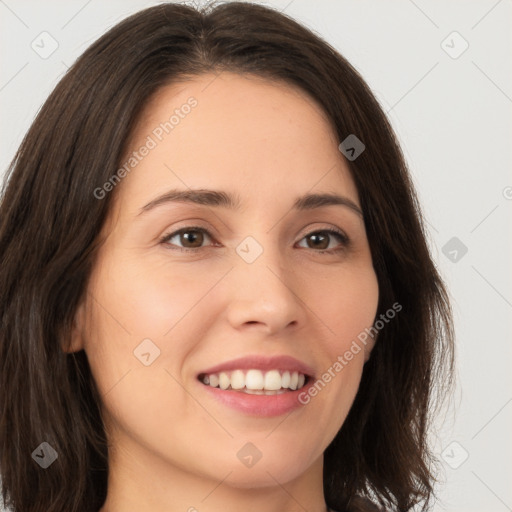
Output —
<point x="215" y="290"/>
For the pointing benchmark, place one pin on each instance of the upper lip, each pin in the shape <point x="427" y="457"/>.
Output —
<point x="266" y="363"/>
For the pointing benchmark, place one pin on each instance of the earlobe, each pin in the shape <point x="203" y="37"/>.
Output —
<point x="369" y="347"/>
<point x="75" y="342"/>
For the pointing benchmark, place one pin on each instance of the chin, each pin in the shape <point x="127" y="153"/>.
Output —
<point x="264" y="473"/>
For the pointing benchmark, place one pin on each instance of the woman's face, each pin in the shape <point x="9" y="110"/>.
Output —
<point x="261" y="279"/>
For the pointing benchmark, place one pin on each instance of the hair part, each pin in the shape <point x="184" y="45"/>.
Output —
<point x="50" y="223"/>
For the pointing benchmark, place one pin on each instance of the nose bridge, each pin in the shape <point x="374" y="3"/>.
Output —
<point x="261" y="289"/>
<point x="260" y="263"/>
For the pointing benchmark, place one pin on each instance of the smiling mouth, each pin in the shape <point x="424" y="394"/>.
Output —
<point x="256" y="382"/>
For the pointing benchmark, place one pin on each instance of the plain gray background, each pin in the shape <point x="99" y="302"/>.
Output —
<point x="450" y="106"/>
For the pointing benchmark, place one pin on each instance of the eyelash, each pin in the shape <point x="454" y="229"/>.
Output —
<point x="341" y="236"/>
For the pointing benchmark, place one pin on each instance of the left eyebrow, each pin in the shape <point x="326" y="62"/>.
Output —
<point x="311" y="201"/>
<point x="220" y="198"/>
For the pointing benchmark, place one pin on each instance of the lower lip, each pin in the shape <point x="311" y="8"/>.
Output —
<point x="258" y="405"/>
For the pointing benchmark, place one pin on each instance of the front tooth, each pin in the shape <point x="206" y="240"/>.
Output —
<point x="254" y="379"/>
<point x="224" y="380"/>
<point x="285" y="379"/>
<point x="237" y="379"/>
<point x="272" y="380"/>
<point x="301" y="381"/>
<point x="294" y="380"/>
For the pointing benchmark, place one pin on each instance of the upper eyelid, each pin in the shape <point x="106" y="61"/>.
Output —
<point x="189" y="228"/>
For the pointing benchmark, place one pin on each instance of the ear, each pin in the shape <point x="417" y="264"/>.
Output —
<point x="368" y="347"/>
<point x="76" y="341"/>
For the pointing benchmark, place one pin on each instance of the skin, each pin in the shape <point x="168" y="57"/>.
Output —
<point x="172" y="446"/>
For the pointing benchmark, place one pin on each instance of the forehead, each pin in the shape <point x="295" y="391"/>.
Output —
<point x="229" y="131"/>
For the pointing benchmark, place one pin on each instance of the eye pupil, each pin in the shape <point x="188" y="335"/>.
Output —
<point x="318" y="237"/>
<point x="192" y="238"/>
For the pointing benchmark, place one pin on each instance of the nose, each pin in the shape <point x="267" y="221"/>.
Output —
<point x="262" y="295"/>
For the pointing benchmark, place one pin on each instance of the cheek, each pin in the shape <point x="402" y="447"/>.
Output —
<point x="131" y="304"/>
<point x="346" y="304"/>
<point x="150" y="300"/>
<point x="347" y="307"/>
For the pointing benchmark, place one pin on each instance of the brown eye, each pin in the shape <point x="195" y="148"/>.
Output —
<point x="321" y="240"/>
<point x="191" y="238"/>
<point x="187" y="238"/>
<point x="318" y="241"/>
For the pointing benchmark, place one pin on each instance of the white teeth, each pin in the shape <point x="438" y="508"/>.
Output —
<point x="294" y="380"/>
<point x="224" y="381"/>
<point x="272" y="380"/>
<point x="237" y="379"/>
<point x="213" y="380"/>
<point x="256" y="382"/>
<point x="254" y="379"/>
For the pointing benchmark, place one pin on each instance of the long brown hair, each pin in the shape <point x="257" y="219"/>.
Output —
<point x="50" y="220"/>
